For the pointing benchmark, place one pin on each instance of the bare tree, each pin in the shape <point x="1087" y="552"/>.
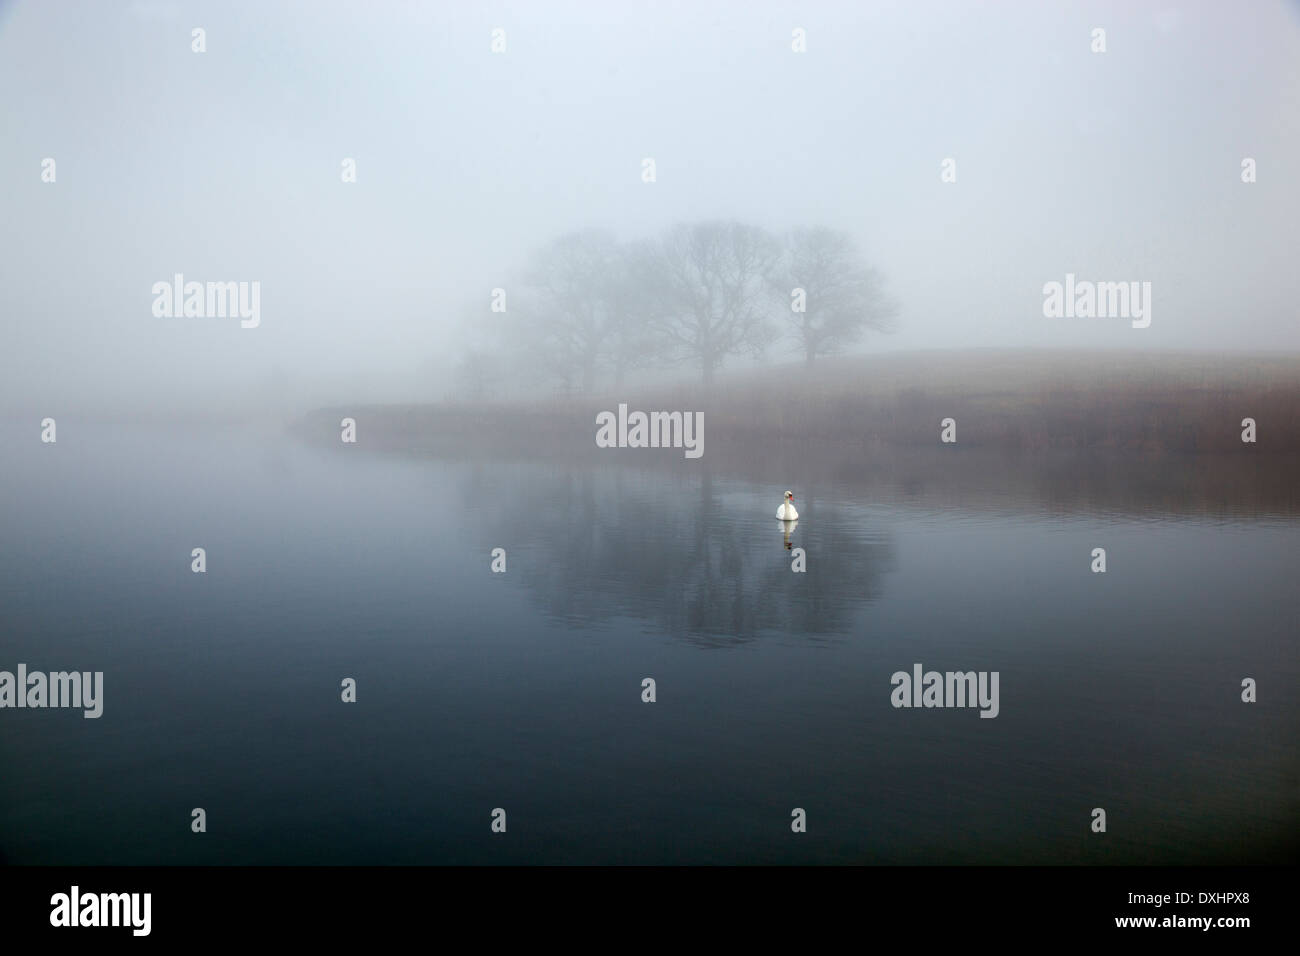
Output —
<point x="714" y="293"/>
<point x="843" y="297"/>
<point x="567" y="314"/>
<point x="705" y="292"/>
<point x="635" y="340"/>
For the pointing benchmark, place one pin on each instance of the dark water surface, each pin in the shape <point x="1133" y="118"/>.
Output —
<point x="523" y="690"/>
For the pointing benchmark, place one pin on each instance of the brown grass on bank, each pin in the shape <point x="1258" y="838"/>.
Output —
<point x="1019" y="400"/>
<point x="1026" y="401"/>
<point x="1124" y="432"/>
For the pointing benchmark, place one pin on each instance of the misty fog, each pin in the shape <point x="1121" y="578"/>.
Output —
<point x="225" y="166"/>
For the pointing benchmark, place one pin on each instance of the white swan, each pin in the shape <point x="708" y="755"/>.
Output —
<point x="786" y="512"/>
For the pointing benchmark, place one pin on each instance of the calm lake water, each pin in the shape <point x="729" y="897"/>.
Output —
<point x="522" y="690"/>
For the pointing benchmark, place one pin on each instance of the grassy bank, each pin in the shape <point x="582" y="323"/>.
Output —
<point x="1021" y="401"/>
<point x="1126" y="431"/>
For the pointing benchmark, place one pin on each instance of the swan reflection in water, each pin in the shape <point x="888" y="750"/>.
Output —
<point x="787" y="529"/>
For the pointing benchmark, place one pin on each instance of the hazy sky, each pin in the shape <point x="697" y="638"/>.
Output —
<point x="226" y="165"/>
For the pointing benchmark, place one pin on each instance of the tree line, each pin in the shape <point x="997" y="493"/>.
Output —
<point x="588" y="310"/>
